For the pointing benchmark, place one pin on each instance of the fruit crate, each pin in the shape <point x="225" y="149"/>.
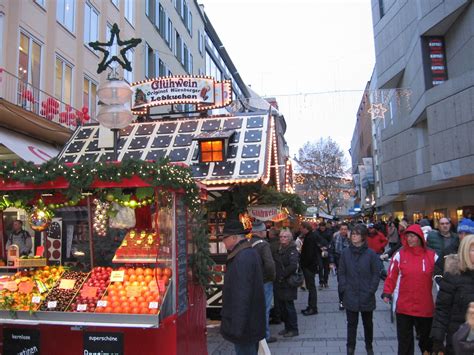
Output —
<point x="37" y="262"/>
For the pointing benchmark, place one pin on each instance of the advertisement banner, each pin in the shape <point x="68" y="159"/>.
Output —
<point x="21" y="341"/>
<point x="265" y="213"/>
<point x="103" y="343"/>
<point x="173" y="90"/>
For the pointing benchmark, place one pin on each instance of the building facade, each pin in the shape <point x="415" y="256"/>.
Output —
<point x="424" y="52"/>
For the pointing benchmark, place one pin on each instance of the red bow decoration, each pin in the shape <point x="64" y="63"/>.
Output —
<point x="27" y="95"/>
<point x="49" y="108"/>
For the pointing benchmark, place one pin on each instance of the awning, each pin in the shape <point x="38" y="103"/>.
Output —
<point x="27" y="148"/>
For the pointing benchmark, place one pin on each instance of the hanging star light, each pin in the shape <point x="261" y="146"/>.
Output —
<point x="299" y="179"/>
<point x="377" y="111"/>
<point x="105" y="46"/>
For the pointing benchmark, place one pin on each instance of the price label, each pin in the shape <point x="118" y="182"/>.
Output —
<point x="35" y="299"/>
<point x="26" y="287"/>
<point x="67" y="284"/>
<point x="52" y="304"/>
<point x="102" y="304"/>
<point x="11" y="286"/>
<point x="82" y="307"/>
<point x="153" y="305"/>
<point x="161" y="285"/>
<point x="117" y="276"/>
<point x="89" y="291"/>
<point x="133" y="291"/>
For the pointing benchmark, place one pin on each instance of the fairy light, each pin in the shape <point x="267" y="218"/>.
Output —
<point x="275" y="154"/>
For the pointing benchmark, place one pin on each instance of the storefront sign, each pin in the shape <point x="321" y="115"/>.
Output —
<point x="21" y="341"/>
<point x="264" y="213"/>
<point x="173" y="90"/>
<point x="436" y="60"/>
<point x="103" y="343"/>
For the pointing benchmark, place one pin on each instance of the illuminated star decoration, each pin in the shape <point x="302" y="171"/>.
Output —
<point x="299" y="179"/>
<point x="377" y="111"/>
<point x="103" y="47"/>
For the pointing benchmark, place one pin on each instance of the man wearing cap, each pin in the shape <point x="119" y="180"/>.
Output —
<point x="268" y="267"/>
<point x="442" y="238"/>
<point x="465" y="227"/>
<point x="243" y="298"/>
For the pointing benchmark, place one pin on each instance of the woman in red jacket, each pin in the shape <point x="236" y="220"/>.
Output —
<point x="409" y="284"/>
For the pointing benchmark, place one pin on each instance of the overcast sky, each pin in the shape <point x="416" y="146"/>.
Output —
<point x="296" y="49"/>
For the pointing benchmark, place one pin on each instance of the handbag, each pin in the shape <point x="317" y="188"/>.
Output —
<point x="296" y="279"/>
<point x="263" y="348"/>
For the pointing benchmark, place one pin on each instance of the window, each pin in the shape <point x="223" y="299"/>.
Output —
<point x="185" y="13"/>
<point x="161" y="68"/>
<point x="190" y="70"/>
<point x="190" y="23"/>
<point x="91" y="24"/>
<point x="149" y="62"/>
<point x="169" y="33"/>
<point x="211" y="151"/>
<point x="179" y="47"/>
<point x="129" y="15"/>
<point x="151" y="11"/>
<point x="162" y="20"/>
<point x="170" y="73"/>
<point x="29" y="60"/>
<point x="128" y="75"/>
<point x="185" y="58"/>
<point x="89" y="96"/>
<point x="63" y="81"/>
<point x="114" y="49"/>
<point x="65" y="13"/>
<point x="381" y="8"/>
<point x="200" y="42"/>
<point x="178" y="5"/>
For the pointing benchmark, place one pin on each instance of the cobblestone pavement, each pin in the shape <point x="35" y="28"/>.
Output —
<point x="324" y="333"/>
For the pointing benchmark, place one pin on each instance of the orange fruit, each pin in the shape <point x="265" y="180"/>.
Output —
<point x="148" y="271"/>
<point x="158" y="271"/>
<point x="139" y="271"/>
<point x="130" y="271"/>
<point x="167" y="272"/>
<point x="135" y="310"/>
<point x="133" y="278"/>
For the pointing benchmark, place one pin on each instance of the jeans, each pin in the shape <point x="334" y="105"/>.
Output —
<point x="288" y="314"/>
<point x="246" y="349"/>
<point x="352" y="322"/>
<point x="406" y="343"/>
<point x="310" y="285"/>
<point x="336" y="262"/>
<point x="268" y="289"/>
<point x="323" y="271"/>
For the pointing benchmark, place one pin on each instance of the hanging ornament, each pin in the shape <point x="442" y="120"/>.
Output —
<point x="100" y="217"/>
<point x="39" y="219"/>
<point x="377" y="111"/>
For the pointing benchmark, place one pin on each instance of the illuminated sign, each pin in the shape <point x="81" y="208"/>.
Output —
<point x="436" y="61"/>
<point x="202" y="91"/>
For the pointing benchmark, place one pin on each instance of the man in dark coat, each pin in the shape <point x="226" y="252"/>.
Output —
<point x="358" y="272"/>
<point x="268" y="267"/>
<point x="325" y="238"/>
<point x="243" y="299"/>
<point x="309" y="259"/>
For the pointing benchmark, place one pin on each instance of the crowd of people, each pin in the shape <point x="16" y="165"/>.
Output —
<point x="430" y="281"/>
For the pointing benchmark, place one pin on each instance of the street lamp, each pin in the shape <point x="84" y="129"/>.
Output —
<point x="115" y="94"/>
<point x="115" y="113"/>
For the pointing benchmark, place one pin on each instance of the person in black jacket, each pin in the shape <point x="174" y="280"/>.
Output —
<point x="243" y="299"/>
<point x="455" y="293"/>
<point x="465" y="227"/>
<point x="286" y="263"/>
<point x="268" y="266"/>
<point x="359" y="269"/>
<point x="463" y="339"/>
<point x="325" y="238"/>
<point x="310" y="254"/>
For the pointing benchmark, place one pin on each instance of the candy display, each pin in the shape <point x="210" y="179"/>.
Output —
<point x="63" y="292"/>
<point x="25" y="290"/>
<point x="92" y="290"/>
<point x="139" y="244"/>
<point x="139" y="291"/>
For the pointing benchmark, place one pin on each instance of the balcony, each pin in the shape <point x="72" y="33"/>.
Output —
<point x="31" y="111"/>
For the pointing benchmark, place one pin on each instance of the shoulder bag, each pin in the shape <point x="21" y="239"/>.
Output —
<point x="296" y="279"/>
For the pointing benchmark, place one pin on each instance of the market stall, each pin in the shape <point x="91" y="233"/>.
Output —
<point x="122" y="287"/>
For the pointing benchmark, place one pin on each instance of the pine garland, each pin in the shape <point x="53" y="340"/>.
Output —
<point x="81" y="176"/>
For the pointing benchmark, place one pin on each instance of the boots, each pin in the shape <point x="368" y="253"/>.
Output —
<point x="350" y="351"/>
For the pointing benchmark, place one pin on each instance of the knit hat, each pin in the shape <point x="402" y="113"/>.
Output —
<point x="258" y="226"/>
<point x="424" y="222"/>
<point x="466" y="226"/>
